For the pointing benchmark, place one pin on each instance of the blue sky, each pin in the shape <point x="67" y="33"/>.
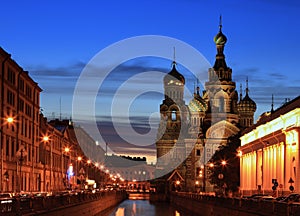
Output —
<point x="54" y="40"/>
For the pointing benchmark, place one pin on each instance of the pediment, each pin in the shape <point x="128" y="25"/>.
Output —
<point x="221" y="130"/>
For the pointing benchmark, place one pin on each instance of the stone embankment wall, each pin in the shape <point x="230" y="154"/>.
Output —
<point x="80" y="204"/>
<point x="218" y="206"/>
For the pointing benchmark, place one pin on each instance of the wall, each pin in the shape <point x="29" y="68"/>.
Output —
<point x="218" y="206"/>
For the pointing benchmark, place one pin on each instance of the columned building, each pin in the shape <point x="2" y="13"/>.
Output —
<point x="188" y="135"/>
<point x="270" y="152"/>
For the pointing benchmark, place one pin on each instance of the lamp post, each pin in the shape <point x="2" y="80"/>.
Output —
<point x="88" y="167"/>
<point x="67" y="150"/>
<point x="79" y="158"/>
<point x="21" y="152"/>
<point x="8" y="120"/>
<point x="46" y="140"/>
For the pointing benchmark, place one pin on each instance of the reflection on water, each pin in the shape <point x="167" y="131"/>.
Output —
<point x="144" y="208"/>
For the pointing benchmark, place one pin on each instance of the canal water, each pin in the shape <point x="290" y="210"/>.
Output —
<point x="144" y="208"/>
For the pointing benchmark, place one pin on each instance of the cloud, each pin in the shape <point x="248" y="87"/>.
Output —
<point x="42" y="71"/>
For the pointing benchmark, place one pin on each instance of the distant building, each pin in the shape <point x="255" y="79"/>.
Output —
<point x="188" y="135"/>
<point x="131" y="169"/>
<point x="270" y="152"/>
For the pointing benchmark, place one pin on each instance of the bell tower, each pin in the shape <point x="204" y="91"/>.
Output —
<point x="220" y="94"/>
<point x="173" y="120"/>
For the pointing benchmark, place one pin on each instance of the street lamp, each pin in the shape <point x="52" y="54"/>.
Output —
<point x="46" y="139"/>
<point x="87" y="171"/>
<point x="8" y="120"/>
<point x="69" y="166"/>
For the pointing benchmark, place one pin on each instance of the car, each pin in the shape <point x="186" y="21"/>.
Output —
<point x="261" y="197"/>
<point x="291" y="198"/>
<point x="6" y="198"/>
<point x="252" y="196"/>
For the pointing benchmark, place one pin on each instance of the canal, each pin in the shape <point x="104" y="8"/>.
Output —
<point x="133" y="207"/>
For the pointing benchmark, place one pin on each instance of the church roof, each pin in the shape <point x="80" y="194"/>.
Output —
<point x="197" y="104"/>
<point x="174" y="76"/>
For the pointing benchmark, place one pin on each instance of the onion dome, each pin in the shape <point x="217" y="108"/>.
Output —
<point x="220" y="38"/>
<point x="197" y="104"/>
<point x="220" y="41"/>
<point x="246" y="104"/>
<point x="174" y="77"/>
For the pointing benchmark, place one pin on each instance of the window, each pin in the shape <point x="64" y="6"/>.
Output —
<point x="28" y="110"/>
<point x="21" y="105"/>
<point x="28" y="91"/>
<point x="10" y="98"/>
<point x="21" y="85"/>
<point x="173" y="115"/>
<point x="198" y="152"/>
<point x="221" y="104"/>
<point x="11" y="77"/>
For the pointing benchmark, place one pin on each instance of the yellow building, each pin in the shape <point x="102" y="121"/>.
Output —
<point x="270" y="152"/>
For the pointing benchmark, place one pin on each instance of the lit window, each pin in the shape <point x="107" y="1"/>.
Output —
<point x="174" y="116"/>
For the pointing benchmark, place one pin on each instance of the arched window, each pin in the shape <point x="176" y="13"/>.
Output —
<point x="221" y="104"/>
<point x="174" y="115"/>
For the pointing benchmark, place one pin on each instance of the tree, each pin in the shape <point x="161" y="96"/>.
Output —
<point x="226" y="176"/>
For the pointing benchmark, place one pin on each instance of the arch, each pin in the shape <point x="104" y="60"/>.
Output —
<point x="222" y="129"/>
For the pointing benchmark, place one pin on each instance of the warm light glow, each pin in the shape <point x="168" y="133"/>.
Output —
<point x="107" y="171"/>
<point x="202" y="166"/>
<point x="178" y="182"/>
<point x="45" y="138"/>
<point x="79" y="158"/>
<point x="10" y="119"/>
<point x="89" y="161"/>
<point x="285" y="121"/>
<point x="96" y="164"/>
<point x="240" y="154"/>
<point x="197" y="182"/>
<point x="223" y="162"/>
<point x="211" y="165"/>
<point x="67" y="149"/>
<point x="101" y="167"/>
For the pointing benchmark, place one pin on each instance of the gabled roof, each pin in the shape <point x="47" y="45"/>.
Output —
<point x="174" y="174"/>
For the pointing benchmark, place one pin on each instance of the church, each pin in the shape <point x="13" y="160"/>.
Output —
<point x="189" y="134"/>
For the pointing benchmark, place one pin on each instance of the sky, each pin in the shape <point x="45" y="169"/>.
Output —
<point x="55" y="41"/>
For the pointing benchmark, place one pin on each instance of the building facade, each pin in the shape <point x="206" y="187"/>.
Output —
<point x="270" y="152"/>
<point x="19" y="122"/>
<point x="188" y="135"/>
<point x="37" y="155"/>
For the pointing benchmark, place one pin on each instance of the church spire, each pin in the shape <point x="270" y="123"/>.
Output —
<point x="220" y="40"/>
<point x="241" y="92"/>
<point x="220" y="24"/>
<point x="247" y="89"/>
<point x="272" y="105"/>
<point x="174" y="57"/>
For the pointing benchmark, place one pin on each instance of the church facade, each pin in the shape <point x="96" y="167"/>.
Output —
<point x="189" y="134"/>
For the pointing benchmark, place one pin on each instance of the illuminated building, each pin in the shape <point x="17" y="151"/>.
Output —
<point x="188" y="135"/>
<point x="20" y="103"/>
<point x="269" y="152"/>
